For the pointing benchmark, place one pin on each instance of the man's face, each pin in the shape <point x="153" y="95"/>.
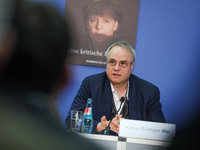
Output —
<point x="101" y="27"/>
<point x="119" y="65"/>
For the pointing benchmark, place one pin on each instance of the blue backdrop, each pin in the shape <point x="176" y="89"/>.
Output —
<point x="167" y="55"/>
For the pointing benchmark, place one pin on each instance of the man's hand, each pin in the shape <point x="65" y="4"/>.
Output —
<point x="102" y="125"/>
<point x="115" y="124"/>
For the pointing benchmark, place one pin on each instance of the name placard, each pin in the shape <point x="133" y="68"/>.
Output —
<point x="147" y="130"/>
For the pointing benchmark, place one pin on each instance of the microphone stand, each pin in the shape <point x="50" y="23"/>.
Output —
<point x="106" y="131"/>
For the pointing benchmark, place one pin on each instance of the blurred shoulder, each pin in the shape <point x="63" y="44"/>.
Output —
<point x="96" y="77"/>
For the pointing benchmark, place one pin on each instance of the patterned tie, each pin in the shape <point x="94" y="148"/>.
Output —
<point x="124" y="111"/>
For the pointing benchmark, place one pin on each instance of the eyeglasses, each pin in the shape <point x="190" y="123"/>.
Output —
<point x="122" y="64"/>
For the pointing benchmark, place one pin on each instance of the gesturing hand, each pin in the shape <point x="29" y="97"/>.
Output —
<point x="115" y="124"/>
<point x="102" y="125"/>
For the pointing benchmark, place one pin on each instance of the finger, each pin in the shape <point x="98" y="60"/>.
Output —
<point x="118" y="116"/>
<point x="115" y="124"/>
<point x="115" y="130"/>
<point x="114" y="119"/>
<point x="103" y="118"/>
<point x="118" y="121"/>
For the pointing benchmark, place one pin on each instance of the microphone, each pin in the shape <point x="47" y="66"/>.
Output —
<point x="106" y="131"/>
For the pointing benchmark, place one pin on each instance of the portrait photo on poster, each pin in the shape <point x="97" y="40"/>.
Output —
<point x="96" y="24"/>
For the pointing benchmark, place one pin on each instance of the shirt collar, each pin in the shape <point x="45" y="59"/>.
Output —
<point x="114" y="91"/>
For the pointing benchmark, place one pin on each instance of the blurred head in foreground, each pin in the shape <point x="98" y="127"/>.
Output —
<point x="31" y="78"/>
<point x="39" y="56"/>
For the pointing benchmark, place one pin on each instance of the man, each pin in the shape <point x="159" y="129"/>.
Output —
<point x="107" y="88"/>
<point x="31" y="80"/>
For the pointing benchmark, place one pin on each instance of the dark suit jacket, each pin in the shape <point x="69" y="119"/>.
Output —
<point x="144" y="99"/>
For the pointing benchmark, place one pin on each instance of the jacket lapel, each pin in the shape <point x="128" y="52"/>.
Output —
<point x="107" y="99"/>
<point x="134" y="102"/>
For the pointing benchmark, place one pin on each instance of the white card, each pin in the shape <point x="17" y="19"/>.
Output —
<point x="147" y="130"/>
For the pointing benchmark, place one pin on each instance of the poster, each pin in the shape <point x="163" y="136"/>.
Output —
<point x="96" y="24"/>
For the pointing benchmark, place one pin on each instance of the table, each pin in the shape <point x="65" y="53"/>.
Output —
<point x="118" y="143"/>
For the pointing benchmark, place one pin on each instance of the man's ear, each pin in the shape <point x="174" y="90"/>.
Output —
<point x="132" y="65"/>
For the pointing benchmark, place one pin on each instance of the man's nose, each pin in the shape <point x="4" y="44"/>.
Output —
<point x="117" y="67"/>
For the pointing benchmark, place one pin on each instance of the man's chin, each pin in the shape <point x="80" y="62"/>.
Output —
<point x="116" y="82"/>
